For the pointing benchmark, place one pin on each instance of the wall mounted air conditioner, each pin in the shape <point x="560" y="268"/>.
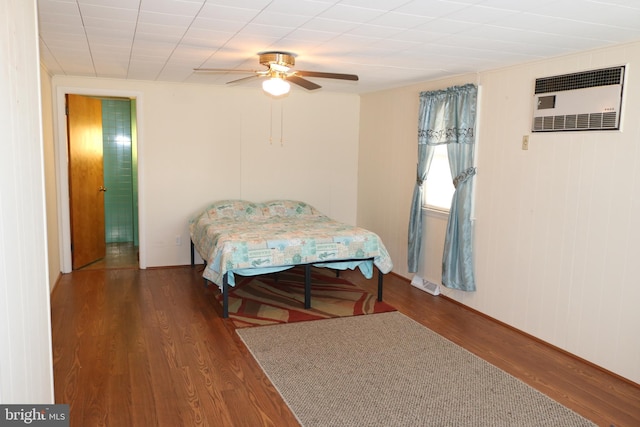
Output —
<point x="590" y="100"/>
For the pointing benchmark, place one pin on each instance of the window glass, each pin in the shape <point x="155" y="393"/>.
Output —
<point x="439" y="185"/>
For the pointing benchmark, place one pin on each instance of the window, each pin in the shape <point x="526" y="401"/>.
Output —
<point x="439" y="184"/>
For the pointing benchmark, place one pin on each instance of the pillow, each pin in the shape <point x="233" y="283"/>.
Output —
<point x="288" y="208"/>
<point x="234" y="209"/>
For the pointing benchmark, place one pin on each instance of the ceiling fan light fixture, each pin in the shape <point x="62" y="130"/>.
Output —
<point x="276" y="86"/>
<point x="279" y="71"/>
<point x="280" y="68"/>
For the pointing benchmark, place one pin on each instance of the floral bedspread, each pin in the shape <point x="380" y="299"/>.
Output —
<point x="255" y="238"/>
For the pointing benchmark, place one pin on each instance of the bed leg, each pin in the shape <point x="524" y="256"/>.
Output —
<point x="225" y="296"/>
<point x="379" y="285"/>
<point x="307" y="286"/>
<point x="193" y="260"/>
<point x="206" y="282"/>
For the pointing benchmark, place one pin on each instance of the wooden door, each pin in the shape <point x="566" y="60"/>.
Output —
<point x="86" y="185"/>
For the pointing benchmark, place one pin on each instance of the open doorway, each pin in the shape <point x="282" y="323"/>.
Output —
<point x="106" y="237"/>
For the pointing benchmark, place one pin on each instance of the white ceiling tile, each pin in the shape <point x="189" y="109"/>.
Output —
<point x="271" y="31"/>
<point x="82" y="67"/>
<point x="631" y="4"/>
<point x="347" y="43"/>
<point x="112" y="67"/>
<point x="203" y="43"/>
<point x="480" y="14"/>
<point x="53" y="30"/>
<point x="99" y="35"/>
<point x="227" y="13"/>
<point x="524" y="6"/>
<point x="588" y="11"/>
<point x="173" y="74"/>
<point x="78" y="45"/>
<point x="47" y="7"/>
<point x="147" y="17"/>
<point x="112" y="13"/>
<point x="205" y="32"/>
<point x="434" y="8"/>
<point x="419" y="36"/>
<point x="61" y="19"/>
<point x="400" y="20"/>
<point x="50" y="63"/>
<point x="307" y="8"/>
<point x="141" y="71"/>
<point x="110" y="52"/>
<point x="386" y="42"/>
<point x="173" y="7"/>
<point x="140" y="68"/>
<point x="251" y="43"/>
<point x="280" y="19"/>
<point x="189" y="55"/>
<point x="161" y="32"/>
<point x="152" y="49"/>
<point x="391" y="45"/>
<point x="124" y="4"/>
<point x="226" y="59"/>
<point x="374" y="31"/>
<point x="330" y="25"/>
<point x="383" y="5"/>
<point x="343" y="12"/>
<point x="244" y="4"/>
<point x="310" y="36"/>
<point x="217" y="25"/>
<point x="445" y="26"/>
<point x="109" y="24"/>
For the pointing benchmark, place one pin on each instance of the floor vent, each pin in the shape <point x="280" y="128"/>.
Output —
<point x="425" y="285"/>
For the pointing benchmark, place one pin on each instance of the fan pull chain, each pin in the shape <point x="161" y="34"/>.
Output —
<point x="271" y="124"/>
<point x="281" y="124"/>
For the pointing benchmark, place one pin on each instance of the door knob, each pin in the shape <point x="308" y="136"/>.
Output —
<point x="102" y="188"/>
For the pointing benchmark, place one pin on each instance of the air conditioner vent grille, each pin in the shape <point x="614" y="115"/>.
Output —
<point x="594" y="121"/>
<point x="602" y="77"/>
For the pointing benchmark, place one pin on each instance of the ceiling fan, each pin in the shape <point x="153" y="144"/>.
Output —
<point x="279" y="72"/>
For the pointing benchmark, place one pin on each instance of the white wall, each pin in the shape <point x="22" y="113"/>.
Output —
<point x="51" y="192"/>
<point x="556" y="227"/>
<point x="26" y="367"/>
<point x="199" y="143"/>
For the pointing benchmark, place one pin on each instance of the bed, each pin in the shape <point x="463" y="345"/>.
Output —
<point x="239" y="237"/>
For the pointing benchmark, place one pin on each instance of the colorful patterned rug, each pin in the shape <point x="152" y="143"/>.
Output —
<point x="279" y="298"/>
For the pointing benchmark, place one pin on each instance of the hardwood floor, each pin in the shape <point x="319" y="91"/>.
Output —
<point x="118" y="255"/>
<point x="148" y="347"/>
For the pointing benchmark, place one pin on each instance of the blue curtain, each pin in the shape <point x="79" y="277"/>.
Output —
<point x="449" y="118"/>
<point x="425" y="155"/>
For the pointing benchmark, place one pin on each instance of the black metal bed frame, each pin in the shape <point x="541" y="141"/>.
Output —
<point x="307" y="282"/>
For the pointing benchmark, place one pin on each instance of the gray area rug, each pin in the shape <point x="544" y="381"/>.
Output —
<point x="388" y="370"/>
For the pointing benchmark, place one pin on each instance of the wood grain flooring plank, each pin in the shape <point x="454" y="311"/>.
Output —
<point x="143" y="406"/>
<point x="149" y="348"/>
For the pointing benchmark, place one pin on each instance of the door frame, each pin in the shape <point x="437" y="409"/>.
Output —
<point x="62" y="168"/>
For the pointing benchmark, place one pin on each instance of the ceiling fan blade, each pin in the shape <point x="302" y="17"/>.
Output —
<point x="352" y="77"/>
<point x="309" y="85"/>
<point x="244" y="79"/>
